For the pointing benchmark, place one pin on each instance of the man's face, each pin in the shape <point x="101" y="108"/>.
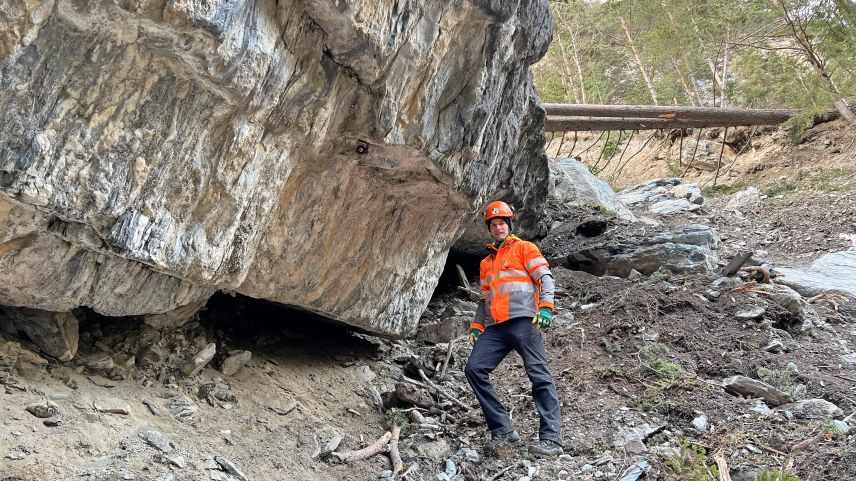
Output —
<point x="498" y="229"/>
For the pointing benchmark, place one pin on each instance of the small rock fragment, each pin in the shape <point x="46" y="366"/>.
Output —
<point x="157" y="441"/>
<point x="701" y="424"/>
<point x="199" y="361"/>
<point x="43" y="410"/>
<point x="235" y="362"/>
<point x="635" y="472"/>
<point x="182" y="407"/>
<point x="750" y="314"/>
<point x="230" y="468"/>
<point x="52" y="421"/>
<point x="15" y="455"/>
<point x="775" y="346"/>
<point x="112" y="406"/>
<point x="813" y="409"/>
<point x="8" y="355"/>
<point x="744" y="386"/>
<point x="100" y="362"/>
<point x="152" y="408"/>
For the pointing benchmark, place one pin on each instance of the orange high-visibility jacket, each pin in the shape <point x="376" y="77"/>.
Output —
<point x="511" y="283"/>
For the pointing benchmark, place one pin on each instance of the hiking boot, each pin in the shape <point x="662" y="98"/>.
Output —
<point x="546" y="448"/>
<point x="511" y="437"/>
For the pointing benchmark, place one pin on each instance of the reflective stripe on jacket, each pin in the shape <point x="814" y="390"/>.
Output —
<point x="511" y="283"/>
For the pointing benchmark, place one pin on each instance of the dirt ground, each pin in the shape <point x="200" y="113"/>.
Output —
<point x="646" y="354"/>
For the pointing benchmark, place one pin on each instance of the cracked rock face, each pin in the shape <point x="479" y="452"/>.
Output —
<point x="153" y="152"/>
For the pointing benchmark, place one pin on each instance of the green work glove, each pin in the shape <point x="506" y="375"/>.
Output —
<point x="474" y="334"/>
<point x="544" y="318"/>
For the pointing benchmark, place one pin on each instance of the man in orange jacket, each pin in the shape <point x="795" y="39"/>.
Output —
<point x="516" y="302"/>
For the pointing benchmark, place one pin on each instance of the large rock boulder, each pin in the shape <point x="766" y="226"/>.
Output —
<point x="572" y="184"/>
<point x="689" y="248"/>
<point x="153" y="153"/>
<point x="832" y="275"/>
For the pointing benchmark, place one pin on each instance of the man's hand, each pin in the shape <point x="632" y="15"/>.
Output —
<point x="474" y="335"/>
<point x="543" y="318"/>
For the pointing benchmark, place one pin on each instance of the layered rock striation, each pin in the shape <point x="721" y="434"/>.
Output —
<point x="154" y="152"/>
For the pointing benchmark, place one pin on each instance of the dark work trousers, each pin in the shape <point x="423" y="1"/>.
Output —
<point x="489" y="350"/>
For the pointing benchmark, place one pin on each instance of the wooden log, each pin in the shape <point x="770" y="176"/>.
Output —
<point x="673" y="112"/>
<point x="722" y="466"/>
<point x="394" y="454"/>
<point x="555" y="123"/>
<point x="375" y="448"/>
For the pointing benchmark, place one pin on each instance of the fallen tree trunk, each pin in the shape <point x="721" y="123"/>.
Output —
<point x="673" y="112"/>
<point x="578" y="117"/>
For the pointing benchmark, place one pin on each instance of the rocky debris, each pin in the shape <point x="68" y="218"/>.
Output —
<point x="44" y="409"/>
<point x="410" y="395"/>
<point x="744" y="386"/>
<point x="213" y="392"/>
<point x="99" y="362"/>
<point x="199" y="360"/>
<point x="573" y="186"/>
<point x="8" y="354"/>
<point x="803" y="315"/>
<point x="673" y="206"/>
<point x="52" y="421"/>
<point x="686" y="249"/>
<point x="230" y="468"/>
<point x="15" y="455"/>
<point x="236" y="360"/>
<point x="700" y="423"/>
<point x="848" y="358"/>
<point x="636" y="471"/>
<point x="152" y="355"/>
<point x="632" y="438"/>
<point x="751" y="314"/>
<point x="182" y="407"/>
<point x="108" y="405"/>
<point x="56" y="333"/>
<point x="152" y="407"/>
<point x="775" y="346"/>
<point x="157" y="441"/>
<point x="812" y="409"/>
<point x="745" y="199"/>
<point x="704" y="154"/>
<point x="451" y="322"/>
<point x="831" y="277"/>
<point x="664" y="196"/>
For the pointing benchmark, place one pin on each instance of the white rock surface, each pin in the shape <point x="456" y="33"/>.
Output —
<point x="833" y="275"/>
<point x="571" y="183"/>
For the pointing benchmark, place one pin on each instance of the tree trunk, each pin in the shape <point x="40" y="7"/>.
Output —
<point x="580" y="117"/>
<point x="690" y="96"/>
<point x="718" y="81"/>
<point x="645" y="77"/>
<point x="574" y="54"/>
<point x="722" y="100"/>
<point x="567" y="75"/>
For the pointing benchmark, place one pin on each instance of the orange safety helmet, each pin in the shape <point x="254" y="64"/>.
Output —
<point x="496" y="209"/>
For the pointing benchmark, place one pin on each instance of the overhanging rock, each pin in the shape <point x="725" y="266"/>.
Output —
<point x="151" y="156"/>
